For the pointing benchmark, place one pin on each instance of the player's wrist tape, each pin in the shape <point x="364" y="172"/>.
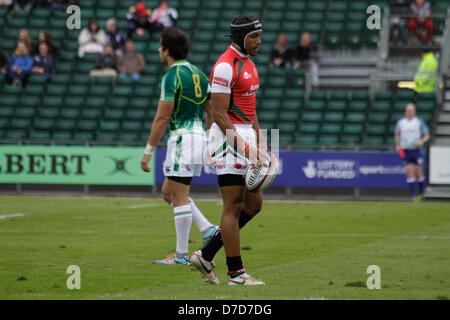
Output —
<point x="149" y="149"/>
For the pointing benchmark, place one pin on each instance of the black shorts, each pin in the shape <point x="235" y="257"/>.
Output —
<point x="183" y="180"/>
<point x="226" y="180"/>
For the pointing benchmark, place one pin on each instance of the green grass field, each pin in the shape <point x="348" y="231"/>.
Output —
<point x="301" y="250"/>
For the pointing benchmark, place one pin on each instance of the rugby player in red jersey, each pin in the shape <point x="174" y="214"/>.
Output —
<point x="234" y="143"/>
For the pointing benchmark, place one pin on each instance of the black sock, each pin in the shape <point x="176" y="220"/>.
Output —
<point x="214" y="245"/>
<point x="235" y="267"/>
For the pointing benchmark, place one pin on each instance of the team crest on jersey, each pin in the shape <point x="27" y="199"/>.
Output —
<point x="247" y="75"/>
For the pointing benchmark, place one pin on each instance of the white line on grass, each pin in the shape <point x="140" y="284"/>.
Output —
<point x="146" y="205"/>
<point x="12" y="215"/>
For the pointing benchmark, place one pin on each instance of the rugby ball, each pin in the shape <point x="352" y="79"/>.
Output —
<point x="257" y="179"/>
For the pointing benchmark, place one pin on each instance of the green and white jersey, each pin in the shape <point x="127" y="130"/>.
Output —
<point x="188" y="88"/>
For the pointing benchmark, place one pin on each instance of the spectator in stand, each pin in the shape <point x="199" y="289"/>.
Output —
<point x="24" y="36"/>
<point x="399" y="14"/>
<point x="20" y="65"/>
<point x="306" y="55"/>
<point x="164" y="16"/>
<point x="282" y="54"/>
<point x="45" y="36"/>
<point x="4" y="63"/>
<point x="43" y="62"/>
<point x="92" y="39"/>
<point x="115" y="37"/>
<point x="5" y="3"/>
<point x="106" y="65"/>
<point x="24" y="4"/>
<point x="421" y="17"/>
<point x="139" y="20"/>
<point x="131" y="63"/>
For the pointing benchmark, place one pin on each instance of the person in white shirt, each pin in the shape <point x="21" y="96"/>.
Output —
<point x="92" y="39"/>
<point x="164" y="15"/>
<point x="411" y="133"/>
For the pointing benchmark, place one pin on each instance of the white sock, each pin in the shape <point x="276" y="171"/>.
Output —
<point x="183" y="222"/>
<point x="199" y="219"/>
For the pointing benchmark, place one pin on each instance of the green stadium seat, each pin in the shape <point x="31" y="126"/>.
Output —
<point x="87" y="125"/>
<point x="125" y="91"/>
<point x="29" y="101"/>
<point x="44" y="124"/>
<point x="141" y="103"/>
<point x="328" y="139"/>
<point x="405" y="95"/>
<point x="114" y="114"/>
<point x="40" y="135"/>
<point x="350" y="139"/>
<point x="307" y="139"/>
<point x="74" y="101"/>
<point x="330" y="128"/>
<point x="91" y="114"/>
<point x="312" y="116"/>
<point x="25" y="112"/>
<point x="273" y="93"/>
<point x="70" y="113"/>
<point x="353" y="129"/>
<point x="53" y="102"/>
<point x="83" y="136"/>
<point x="294" y="93"/>
<point x="132" y="125"/>
<point x="56" y="90"/>
<point x="66" y="124"/>
<point x="358" y="105"/>
<point x="12" y="90"/>
<point x="333" y="116"/>
<point x="129" y="137"/>
<point x="16" y="134"/>
<point x="381" y="106"/>
<point x="425" y="106"/>
<point x="118" y="102"/>
<point x="337" y="105"/>
<point x="20" y="124"/>
<point x="63" y="136"/>
<point x="267" y="116"/>
<point x="376" y="130"/>
<point x="8" y="101"/>
<point x="288" y="116"/>
<point x="37" y="79"/>
<point x="99" y="90"/>
<point x="292" y="104"/>
<point x="78" y="90"/>
<point x="95" y="102"/>
<point x="309" y="128"/>
<point x="317" y="105"/>
<point x="378" y="117"/>
<point x="358" y="117"/>
<point x="135" y="114"/>
<point x="110" y="125"/>
<point x="46" y="112"/>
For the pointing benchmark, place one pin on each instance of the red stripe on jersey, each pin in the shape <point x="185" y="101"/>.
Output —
<point x="244" y="84"/>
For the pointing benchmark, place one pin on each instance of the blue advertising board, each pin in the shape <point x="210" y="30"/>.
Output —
<point x="323" y="170"/>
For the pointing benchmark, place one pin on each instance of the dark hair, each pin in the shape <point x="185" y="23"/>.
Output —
<point x="90" y="24"/>
<point x="176" y="41"/>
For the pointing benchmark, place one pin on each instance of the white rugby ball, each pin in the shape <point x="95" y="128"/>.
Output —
<point x="257" y="179"/>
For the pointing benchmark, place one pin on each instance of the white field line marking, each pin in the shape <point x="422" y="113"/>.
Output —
<point x="386" y="236"/>
<point x="12" y="215"/>
<point x="145" y="205"/>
